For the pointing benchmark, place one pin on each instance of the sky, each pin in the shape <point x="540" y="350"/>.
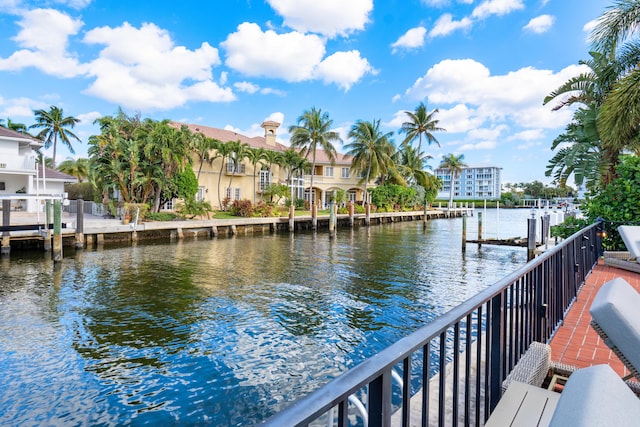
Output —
<point x="486" y="65"/>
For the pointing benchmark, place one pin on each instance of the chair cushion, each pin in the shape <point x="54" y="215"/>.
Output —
<point x="616" y="310"/>
<point x="631" y="237"/>
<point x="596" y="396"/>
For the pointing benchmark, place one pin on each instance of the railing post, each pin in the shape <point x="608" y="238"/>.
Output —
<point x="380" y="401"/>
<point x="496" y="346"/>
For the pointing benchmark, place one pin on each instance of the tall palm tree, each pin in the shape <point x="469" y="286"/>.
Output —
<point x="238" y="152"/>
<point x="371" y="149"/>
<point x="454" y="164"/>
<point x="203" y="147"/>
<point x="55" y="126"/>
<point x="313" y="132"/>
<point x="255" y="157"/>
<point x="421" y="124"/>
<point x="292" y="162"/>
<point x="412" y="165"/>
<point x="224" y="150"/>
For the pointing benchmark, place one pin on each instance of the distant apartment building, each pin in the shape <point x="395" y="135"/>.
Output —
<point x="474" y="182"/>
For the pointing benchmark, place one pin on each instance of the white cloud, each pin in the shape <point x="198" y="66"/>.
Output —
<point x="514" y="97"/>
<point x="291" y="56"/>
<point x="540" y="24"/>
<point x="344" y="69"/>
<point x="496" y="7"/>
<point x="326" y="17"/>
<point x="43" y="38"/>
<point x="74" y="4"/>
<point x="445" y="25"/>
<point x="88" y="118"/>
<point x="19" y="108"/>
<point x="528" y="135"/>
<point x="590" y="26"/>
<point x="412" y="39"/>
<point x="436" y="3"/>
<point x="141" y="68"/>
<point x="246" y="87"/>
<point x="482" y="145"/>
<point x="460" y="118"/>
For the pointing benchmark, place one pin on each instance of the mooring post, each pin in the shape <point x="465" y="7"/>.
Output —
<point x="531" y="237"/>
<point x="47" y="221"/>
<point x="367" y="216"/>
<point x="464" y="233"/>
<point x="79" y="223"/>
<point x="5" y="248"/>
<point x="292" y="215"/>
<point x="332" y="218"/>
<point x="479" y="229"/>
<point x="57" y="230"/>
<point x="314" y="216"/>
<point x="351" y="209"/>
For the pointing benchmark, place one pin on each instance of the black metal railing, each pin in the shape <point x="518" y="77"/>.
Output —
<point x="453" y="368"/>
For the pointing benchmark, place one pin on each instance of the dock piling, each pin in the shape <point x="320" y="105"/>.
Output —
<point x="5" y="248"/>
<point x="80" y="223"/>
<point x="57" y="230"/>
<point x="464" y="233"/>
<point x="479" y="229"/>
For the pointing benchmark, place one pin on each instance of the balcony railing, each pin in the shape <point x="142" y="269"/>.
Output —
<point x="18" y="163"/>
<point x="453" y="368"/>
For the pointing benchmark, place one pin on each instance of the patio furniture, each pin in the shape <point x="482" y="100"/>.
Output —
<point x="532" y="368"/>
<point x="596" y="396"/>
<point x="626" y="260"/>
<point x="615" y="316"/>
<point x="593" y="396"/>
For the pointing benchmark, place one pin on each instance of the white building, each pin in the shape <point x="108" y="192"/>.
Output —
<point x="477" y="182"/>
<point x="18" y="171"/>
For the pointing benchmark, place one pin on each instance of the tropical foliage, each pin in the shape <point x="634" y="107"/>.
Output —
<point x="454" y="164"/>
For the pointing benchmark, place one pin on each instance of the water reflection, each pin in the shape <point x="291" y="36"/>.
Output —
<point x="222" y="331"/>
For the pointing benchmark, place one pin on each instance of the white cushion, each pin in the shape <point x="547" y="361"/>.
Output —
<point x="616" y="309"/>
<point x="631" y="237"/>
<point x="596" y="396"/>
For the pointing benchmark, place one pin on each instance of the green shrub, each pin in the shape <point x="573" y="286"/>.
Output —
<point x="241" y="208"/>
<point x="263" y="209"/>
<point x="161" y="216"/>
<point x="191" y="208"/>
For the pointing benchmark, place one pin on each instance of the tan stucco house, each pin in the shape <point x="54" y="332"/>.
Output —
<point x="327" y="177"/>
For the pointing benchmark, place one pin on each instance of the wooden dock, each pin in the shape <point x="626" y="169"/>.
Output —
<point x="85" y="231"/>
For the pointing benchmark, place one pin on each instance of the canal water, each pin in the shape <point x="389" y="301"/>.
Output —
<point x="226" y="331"/>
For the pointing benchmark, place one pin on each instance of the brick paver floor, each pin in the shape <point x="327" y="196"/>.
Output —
<point x="575" y="342"/>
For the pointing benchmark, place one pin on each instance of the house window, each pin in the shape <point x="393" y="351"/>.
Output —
<point x="351" y="196"/>
<point x="235" y="169"/>
<point x="200" y="193"/>
<point x="265" y="179"/>
<point x="233" y="193"/>
<point x="2" y="186"/>
<point x="345" y="172"/>
<point x="328" y="171"/>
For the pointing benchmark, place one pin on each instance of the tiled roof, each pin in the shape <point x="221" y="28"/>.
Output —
<point x="229" y="135"/>
<point x="257" y="141"/>
<point x="8" y="133"/>
<point x="56" y="175"/>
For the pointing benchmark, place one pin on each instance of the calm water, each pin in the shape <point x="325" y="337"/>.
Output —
<point x="225" y="331"/>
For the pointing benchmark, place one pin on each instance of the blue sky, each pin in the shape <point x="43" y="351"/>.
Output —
<point x="485" y="64"/>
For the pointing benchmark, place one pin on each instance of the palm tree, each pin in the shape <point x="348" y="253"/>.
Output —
<point x="203" y="147"/>
<point x="454" y="164"/>
<point x="224" y="150"/>
<point x="371" y="150"/>
<point x="421" y="123"/>
<point x="292" y="162"/>
<point x="313" y="132"/>
<point x="616" y="34"/>
<point x="55" y="126"/>
<point x="255" y="156"/>
<point x="411" y="165"/>
<point x="75" y="167"/>
<point x="238" y="152"/>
